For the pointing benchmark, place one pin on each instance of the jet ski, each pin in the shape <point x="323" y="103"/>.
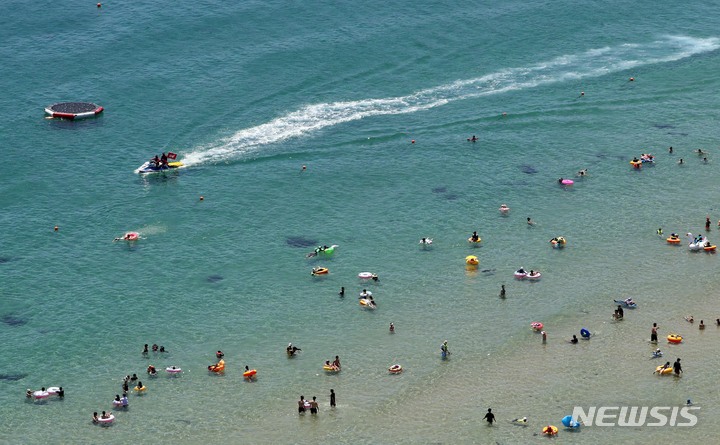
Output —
<point x="152" y="167"/>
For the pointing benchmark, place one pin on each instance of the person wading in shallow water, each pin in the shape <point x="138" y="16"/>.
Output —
<point x="490" y="417"/>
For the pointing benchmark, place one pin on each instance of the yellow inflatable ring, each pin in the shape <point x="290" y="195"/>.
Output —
<point x="674" y="338"/>
<point x="550" y="430"/>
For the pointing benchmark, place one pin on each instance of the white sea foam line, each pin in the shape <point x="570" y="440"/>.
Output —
<point x="592" y="63"/>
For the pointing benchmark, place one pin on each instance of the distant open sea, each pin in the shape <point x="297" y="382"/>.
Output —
<point x="377" y="100"/>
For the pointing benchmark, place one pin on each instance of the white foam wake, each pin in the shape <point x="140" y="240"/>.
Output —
<point x="592" y="63"/>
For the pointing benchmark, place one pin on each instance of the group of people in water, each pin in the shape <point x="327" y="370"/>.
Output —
<point x="676" y="367"/>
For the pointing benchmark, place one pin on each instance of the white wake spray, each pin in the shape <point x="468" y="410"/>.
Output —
<point x="592" y="63"/>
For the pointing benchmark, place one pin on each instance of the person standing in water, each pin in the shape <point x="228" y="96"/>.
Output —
<point x="489" y="416"/>
<point x="392" y="328"/>
<point x="332" y="397"/>
<point x="342" y="292"/>
<point x="653" y="333"/>
<point x="676" y="367"/>
<point x="502" y="291"/>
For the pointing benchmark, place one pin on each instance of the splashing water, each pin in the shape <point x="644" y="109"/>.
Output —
<point x="592" y="63"/>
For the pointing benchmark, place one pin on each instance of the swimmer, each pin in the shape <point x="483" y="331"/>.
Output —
<point x="681" y="161"/>
<point x="530" y="221"/>
<point x="342" y="292"/>
<point x="574" y="339"/>
<point x="707" y="223"/>
<point x="520" y="421"/>
<point x="659" y="231"/>
<point x="705" y="160"/>
<point x="474" y="237"/>
<point x="473" y="139"/>
<point x="702" y="325"/>
<point x="560" y="180"/>
<point x="219" y="354"/>
<point x="583" y="172"/>
<point x="28" y="393"/>
<point x="95" y="417"/>
<point x="392" y="328"/>
<point x="717" y="321"/>
<point x="657" y="353"/>
<point x="670" y="150"/>
<point x="374" y="277"/>
<point x="444" y="348"/>
<point x="676" y="367"/>
<point x="690" y="319"/>
<point x="653" y="333"/>
<point x="689" y="402"/>
<point x="489" y="416"/>
<point x="699" y="152"/>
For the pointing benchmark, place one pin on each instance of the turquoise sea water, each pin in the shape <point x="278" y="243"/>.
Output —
<point x="248" y="93"/>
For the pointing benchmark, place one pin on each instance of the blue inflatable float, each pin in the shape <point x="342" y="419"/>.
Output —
<point x="570" y="423"/>
<point x="584" y="333"/>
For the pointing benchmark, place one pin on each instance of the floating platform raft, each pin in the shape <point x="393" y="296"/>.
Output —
<point x="73" y="110"/>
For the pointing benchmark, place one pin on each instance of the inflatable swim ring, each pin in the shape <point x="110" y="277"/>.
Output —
<point x="663" y="371"/>
<point x="117" y="402"/>
<point x="140" y="390"/>
<point x="131" y="236"/>
<point x="330" y="368"/>
<point x="365" y="275"/>
<point x="550" y="430"/>
<point x="673" y="240"/>
<point x="536" y="325"/>
<point x="40" y="395"/>
<point x="173" y="369"/>
<point x="365" y="294"/>
<point x="584" y="333"/>
<point x="674" y="338"/>
<point x="520" y="274"/>
<point x="53" y="390"/>
<point x="320" y="271"/>
<point x="710" y="248"/>
<point x="534" y="276"/>
<point x="504" y="208"/>
<point x="250" y="374"/>
<point x="567" y="182"/>
<point x="471" y="260"/>
<point x="109" y="419"/>
<point x="367" y="303"/>
<point x="395" y="369"/>
<point x="470" y="240"/>
<point x="636" y="164"/>
<point x="558" y="242"/>
<point x="217" y="367"/>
